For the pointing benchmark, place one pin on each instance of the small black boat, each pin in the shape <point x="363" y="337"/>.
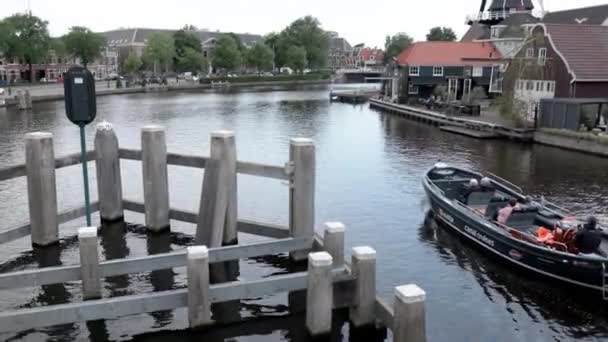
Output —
<point x="515" y="241"/>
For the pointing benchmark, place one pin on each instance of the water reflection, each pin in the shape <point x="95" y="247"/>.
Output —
<point x="113" y="238"/>
<point x="540" y="299"/>
<point x="161" y="280"/>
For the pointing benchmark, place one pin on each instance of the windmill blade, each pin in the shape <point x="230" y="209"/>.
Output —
<point x="483" y="6"/>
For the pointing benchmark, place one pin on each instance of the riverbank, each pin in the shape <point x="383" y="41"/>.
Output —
<point x="55" y="93"/>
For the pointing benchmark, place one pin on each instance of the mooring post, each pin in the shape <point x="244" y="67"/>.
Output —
<point x="333" y="242"/>
<point x="41" y="188"/>
<point x="21" y="101"/>
<point x="319" y="293"/>
<point x="156" y="183"/>
<point x="223" y="148"/>
<point x="409" y="319"/>
<point x="216" y="193"/>
<point x="302" y="192"/>
<point x="89" y="263"/>
<point x="199" y="305"/>
<point x="109" y="184"/>
<point x="363" y="268"/>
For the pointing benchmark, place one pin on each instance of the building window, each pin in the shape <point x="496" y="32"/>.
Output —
<point x="477" y="71"/>
<point x="529" y="85"/>
<point x="437" y="71"/>
<point x="413" y="89"/>
<point x="495" y="32"/>
<point x="542" y="56"/>
<point x="414" y="71"/>
<point x="529" y="52"/>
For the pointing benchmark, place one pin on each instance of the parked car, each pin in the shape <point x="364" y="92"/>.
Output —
<point x="114" y="77"/>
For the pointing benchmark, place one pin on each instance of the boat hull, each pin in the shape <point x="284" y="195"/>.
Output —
<point x="569" y="268"/>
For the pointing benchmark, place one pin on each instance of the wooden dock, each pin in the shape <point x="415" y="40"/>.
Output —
<point x="351" y="96"/>
<point x="330" y="282"/>
<point x="439" y="120"/>
<point x="469" y="132"/>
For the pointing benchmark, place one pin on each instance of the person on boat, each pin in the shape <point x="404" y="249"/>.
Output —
<point x="468" y="189"/>
<point x="505" y="213"/>
<point x="486" y="185"/>
<point x="588" y="238"/>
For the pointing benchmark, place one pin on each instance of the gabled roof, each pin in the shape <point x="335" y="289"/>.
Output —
<point x="584" y="49"/>
<point x="141" y="35"/>
<point x="368" y="52"/>
<point x="449" y="54"/>
<point x="595" y="15"/>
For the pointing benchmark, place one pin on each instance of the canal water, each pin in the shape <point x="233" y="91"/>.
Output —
<point x="369" y="172"/>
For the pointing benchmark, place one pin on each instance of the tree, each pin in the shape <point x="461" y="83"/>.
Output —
<point x="395" y="44"/>
<point x="83" y="43"/>
<point x="260" y="57"/>
<point x="226" y="55"/>
<point x="187" y="44"/>
<point x="132" y="64"/>
<point x="445" y="34"/>
<point x="296" y="58"/>
<point x="26" y="37"/>
<point x="160" y="50"/>
<point x="307" y="33"/>
<point x="191" y="60"/>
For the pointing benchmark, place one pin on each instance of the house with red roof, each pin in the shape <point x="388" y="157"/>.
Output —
<point x="459" y="66"/>
<point x="560" y="60"/>
<point x="370" y="57"/>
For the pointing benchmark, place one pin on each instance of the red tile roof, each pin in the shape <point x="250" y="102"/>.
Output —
<point x="450" y="54"/>
<point x="368" y="52"/>
<point x="584" y="48"/>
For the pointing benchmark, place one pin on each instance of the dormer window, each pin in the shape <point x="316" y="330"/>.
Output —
<point x="496" y="31"/>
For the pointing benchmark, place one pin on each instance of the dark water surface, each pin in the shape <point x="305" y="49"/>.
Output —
<point x="369" y="169"/>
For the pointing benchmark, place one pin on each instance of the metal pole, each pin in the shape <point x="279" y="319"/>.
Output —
<point x="85" y="174"/>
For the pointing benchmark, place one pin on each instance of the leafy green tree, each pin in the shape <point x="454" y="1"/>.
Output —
<point x="260" y="57"/>
<point x="226" y="54"/>
<point x="441" y="34"/>
<point x="395" y="44"/>
<point x="160" y="50"/>
<point x="238" y="41"/>
<point x="296" y="58"/>
<point x="26" y="37"/>
<point x="307" y="33"/>
<point x="187" y="44"/>
<point x="132" y="64"/>
<point x="57" y="45"/>
<point x="83" y="43"/>
<point x="191" y="60"/>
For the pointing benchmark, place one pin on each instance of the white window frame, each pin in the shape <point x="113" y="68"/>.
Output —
<point x="529" y="52"/>
<point x="413" y="89"/>
<point x="542" y="56"/>
<point x="437" y="74"/>
<point x="416" y="68"/>
<point x="477" y="71"/>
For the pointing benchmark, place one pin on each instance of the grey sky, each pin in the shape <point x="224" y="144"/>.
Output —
<point x="358" y="21"/>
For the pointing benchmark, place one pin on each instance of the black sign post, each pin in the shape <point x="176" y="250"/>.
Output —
<point x="81" y="108"/>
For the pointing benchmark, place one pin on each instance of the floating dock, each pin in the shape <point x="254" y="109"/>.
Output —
<point x="440" y="120"/>
<point x="348" y="96"/>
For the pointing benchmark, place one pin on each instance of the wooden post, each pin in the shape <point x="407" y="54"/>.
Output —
<point x="333" y="242"/>
<point x="109" y="184"/>
<point x="302" y="192"/>
<point x="41" y="188"/>
<point x="223" y="148"/>
<point x="21" y="101"/>
<point x="89" y="263"/>
<point x="28" y="99"/>
<point x="363" y="267"/>
<point x="409" y="319"/>
<point x="216" y="193"/>
<point x="199" y="313"/>
<point x="319" y="295"/>
<point x="156" y="183"/>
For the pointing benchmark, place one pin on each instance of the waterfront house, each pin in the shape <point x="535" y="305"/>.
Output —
<point x="459" y="66"/>
<point x="560" y="60"/>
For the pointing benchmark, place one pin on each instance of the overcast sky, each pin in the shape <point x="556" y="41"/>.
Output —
<point x="358" y="21"/>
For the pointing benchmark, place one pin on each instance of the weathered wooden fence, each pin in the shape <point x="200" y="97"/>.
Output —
<point x="330" y="282"/>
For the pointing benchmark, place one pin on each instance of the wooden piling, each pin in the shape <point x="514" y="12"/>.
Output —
<point x="409" y="320"/>
<point x="333" y="242"/>
<point x="41" y="188"/>
<point x="89" y="263"/>
<point x="319" y="295"/>
<point x="109" y="184"/>
<point x="223" y="148"/>
<point x="363" y="267"/>
<point x="218" y="182"/>
<point x="199" y="309"/>
<point x="156" y="184"/>
<point x="21" y="100"/>
<point x="302" y="192"/>
<point x="28" y="99"/>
